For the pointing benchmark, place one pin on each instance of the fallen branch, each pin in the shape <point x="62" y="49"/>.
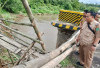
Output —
<point x="21" y="33"/>
<point x="26" y="24"/>
<point x="37" y="63"/>
<point x="10" y="57"/>
<point x="30" y="46"/>
<point x="23" y="41"/>
<point x="31" y="18"/>
<point x="23" y="56"/>
<point x="58" y="59"/>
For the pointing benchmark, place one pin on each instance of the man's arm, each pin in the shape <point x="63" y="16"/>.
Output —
<point x="97" y="38"/>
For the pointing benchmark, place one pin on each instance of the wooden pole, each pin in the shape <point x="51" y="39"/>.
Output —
<point x="16" y="37"/>
<point x="25" y="53"/>
<point x="58" y="59"/>
<point x="30" y="46"/>
<point x="25" y="41"/>
<point x="30" y="15"/>
<point x="15" y="56"/>
<point x="26" y="24"/>
<point x="10" y="57"/>
<point x="37" y="63"/>
<point x="40" y="42"/>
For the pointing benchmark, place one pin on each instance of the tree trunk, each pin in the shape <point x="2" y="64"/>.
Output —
<point x="37" y="63"/>
<point x="58" y="59"/>
<point x="30" y="15"/>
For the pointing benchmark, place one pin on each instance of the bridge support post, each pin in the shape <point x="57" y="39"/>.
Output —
<point x="30" y="15"/>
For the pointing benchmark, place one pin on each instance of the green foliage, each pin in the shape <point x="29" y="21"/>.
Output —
<point x="5" y="14"/>
<point x="75" y="4"/>
<point x="13" y="6"/>
<point x="90" y="8"/>
<point x="47" y="9"/>
<point x="5" y="57"/>
<point x="65" y="62"/>
<point x="82" y="6"/>
<point x="46" y="6"/>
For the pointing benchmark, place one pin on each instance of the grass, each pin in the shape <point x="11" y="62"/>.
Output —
<point x="70" y="61"/>
<point x="5" y="57"/>
<point x="5" y="14"/>
<point x="66" y="62"/>
<point x="49" y="9"/>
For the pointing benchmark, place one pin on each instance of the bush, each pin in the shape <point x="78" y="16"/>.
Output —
<point x="46" y="6"/>
<point x="13" y="6"/>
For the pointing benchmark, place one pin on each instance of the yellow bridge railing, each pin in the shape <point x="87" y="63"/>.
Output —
<point x="71" y="17"/>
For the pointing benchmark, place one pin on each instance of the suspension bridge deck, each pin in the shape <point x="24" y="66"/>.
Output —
<point x="10" y="44"/>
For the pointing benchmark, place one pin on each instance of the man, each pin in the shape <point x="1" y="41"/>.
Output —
<point x="88" y="40"/>
<point x="97" y="18"/>
<point x="81" y="23"/>
<point x="84" y="18"/>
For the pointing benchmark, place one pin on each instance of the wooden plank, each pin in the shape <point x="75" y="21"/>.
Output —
<point x="12" y="42"/>
<point x="20" y="33"/>
<point x="8" y="46"/>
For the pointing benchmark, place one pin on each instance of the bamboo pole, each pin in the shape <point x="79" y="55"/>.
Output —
<point x="40" y="42"/>
<point x="25" y="42"/>
<point x="10" y="57"/>
<point x="30" y="15"/>
<point x="26" y="24"/>
<point x="21" y="43"/>
<point x="16" y="37"/>
<point x="58" y="59"/>
<point x="25" y="53"/>
<point x="47" y="57"/>
<point x="15" y="56"/>
<point x="37" y="63"/>
<point x="30" y="46"/>
<point x="3" y="22"/>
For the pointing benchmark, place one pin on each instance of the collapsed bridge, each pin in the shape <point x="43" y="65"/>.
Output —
<point x="68" y="29"/>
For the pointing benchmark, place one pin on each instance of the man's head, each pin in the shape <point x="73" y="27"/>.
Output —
<point x="90" y="16"/>
<point x="97" y="17"/>
<point x="85" y="12"/>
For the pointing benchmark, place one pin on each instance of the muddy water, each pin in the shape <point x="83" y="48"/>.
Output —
<point x="43" y="23"/>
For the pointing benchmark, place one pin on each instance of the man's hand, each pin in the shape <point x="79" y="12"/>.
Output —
<point x="77" y="40"/>
<point x="93" y="48"/>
